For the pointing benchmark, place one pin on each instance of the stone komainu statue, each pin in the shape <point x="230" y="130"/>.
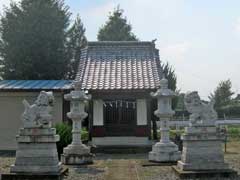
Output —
<point x="201" y="113"/>
<point x="38" y="114"/>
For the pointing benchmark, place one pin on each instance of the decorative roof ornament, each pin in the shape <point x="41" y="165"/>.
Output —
<point x="164" y="82"/>
<point x="163" y="90"/>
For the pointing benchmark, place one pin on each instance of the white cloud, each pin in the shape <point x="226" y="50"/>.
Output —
<point x="94" y="18"/>
<point x="3" y="3"/>
<point x="6" y="3"/>
<point x="177" y="51"/>
<point x="237" y="25"/>
<point x="144" y="15"/>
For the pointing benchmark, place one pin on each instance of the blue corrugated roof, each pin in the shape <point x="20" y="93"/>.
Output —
<point x="35" y="84"/>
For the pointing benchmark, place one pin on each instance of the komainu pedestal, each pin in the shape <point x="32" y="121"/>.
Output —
<point x="36" y="155"/>
<point x="202" y="154"/>
<point x="202" y="150"/>
<point x="37" y="152"/>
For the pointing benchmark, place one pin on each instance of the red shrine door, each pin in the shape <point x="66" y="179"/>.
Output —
<point x="120" y="117"/>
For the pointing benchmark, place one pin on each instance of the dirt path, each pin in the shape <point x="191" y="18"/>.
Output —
<point x="127" y="167"/>
<point x="121" y="169"/>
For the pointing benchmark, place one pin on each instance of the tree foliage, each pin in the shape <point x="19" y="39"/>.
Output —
<point x="32" y="40"/>
<point x="222" y="94"/>
<point x="116" y="28"/>
<point x="170" y="75"/>
<point x="76" y="40"/>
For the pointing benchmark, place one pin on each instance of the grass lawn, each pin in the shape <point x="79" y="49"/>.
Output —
<point x="129" y="166"/>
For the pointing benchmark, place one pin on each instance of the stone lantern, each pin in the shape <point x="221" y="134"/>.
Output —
<point x="77" y="152"/>
<point x="165" y="150"/>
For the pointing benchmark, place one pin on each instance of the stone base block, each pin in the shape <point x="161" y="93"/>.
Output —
<point x="208" y="174"/>
<point x="202" y="150"/>
<point x="80" y="149"/>
<point x="153" y="163"/>
<point x="164" y="152"/>
<point x="45" y="176"/>
<point x="76" y="159"/>
<point x="37" y="152"/>
<point x="202" y="166"/>
<point x="36" y="169"/>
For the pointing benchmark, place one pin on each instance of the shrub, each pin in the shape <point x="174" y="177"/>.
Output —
<point x="65" y="132"/>
<point x="172" y="133"/>
<point x="233" y="132"/>
<point x="84" y="134"/>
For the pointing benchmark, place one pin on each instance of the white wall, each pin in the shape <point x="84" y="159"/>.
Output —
<point x="98" y="112"/>
<point x="11" y="109"/>
<point x="141" y="112"/>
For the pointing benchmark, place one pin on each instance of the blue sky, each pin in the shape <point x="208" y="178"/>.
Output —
<point x="201" y="39"/>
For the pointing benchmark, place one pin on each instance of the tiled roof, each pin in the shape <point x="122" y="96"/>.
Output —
<point x="119" y="65"/>
<point x="35" y="84"/>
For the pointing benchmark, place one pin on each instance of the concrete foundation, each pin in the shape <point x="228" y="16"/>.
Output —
<point x="77" y="155"/>
<point x="164" y="152"/>
<point x="25" y="176"/>
<point x="37" y="152"/>
<point x="202" y="150"/>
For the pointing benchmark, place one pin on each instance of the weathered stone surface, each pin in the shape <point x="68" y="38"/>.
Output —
<point x="76" y="149"/>
<point x="77" y="153"/>
<point x="37" y="131"/>
<point x="37" y="152"/>
<point x="165" y="150"/>
<point x="215" y="174"/>
<point x="76" y="159"/>
<point x="37" y="169"/>
<point x="202" y="150"/>
<point x="201" y="113"/>
<point x="37" y="155"/>
<point x="38" y="114"/>
<point x="38" y="138"/>
<point x="46" y="176"/>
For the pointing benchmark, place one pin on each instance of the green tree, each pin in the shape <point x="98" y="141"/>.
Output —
<point x="116" y="28"/>
<point x="222" y="94"/>
<point x="32" y="40"/>
<point x="170" y="75"/>
<point x="237" y="97"/>
<point x="76" y="41"/>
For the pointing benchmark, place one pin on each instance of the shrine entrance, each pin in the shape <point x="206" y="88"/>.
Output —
<point x="120" y="117"/>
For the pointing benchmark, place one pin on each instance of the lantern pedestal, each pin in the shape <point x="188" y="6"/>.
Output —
<point x="165" y="150"/>
<point x="77" y="153"/>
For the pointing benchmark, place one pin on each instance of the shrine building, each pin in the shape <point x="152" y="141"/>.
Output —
<point x="120" y="77"/>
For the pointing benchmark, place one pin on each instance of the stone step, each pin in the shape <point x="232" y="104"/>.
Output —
<point x="121" y="149"/>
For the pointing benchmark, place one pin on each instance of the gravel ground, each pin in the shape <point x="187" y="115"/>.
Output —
<point x="128" y="167"/>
